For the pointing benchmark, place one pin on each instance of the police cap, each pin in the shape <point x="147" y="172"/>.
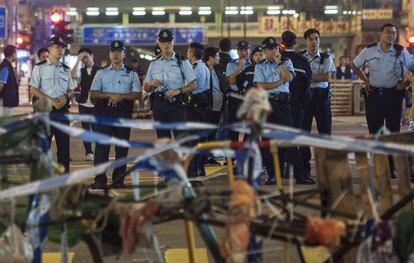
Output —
<point x="56" y="41"/>
<point x="165" y="35"/>
<point x="257" y="49"/>
<point x="269" y="43"/>
<point x="117" y="45"/>
<point x="243" y="44"/>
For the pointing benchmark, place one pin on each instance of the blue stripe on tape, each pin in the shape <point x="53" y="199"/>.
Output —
<point x="81" y="175"/>
<point x="131" y="123"/>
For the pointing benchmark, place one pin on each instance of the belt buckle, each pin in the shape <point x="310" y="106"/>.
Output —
<point x="170" y="99"/>
<point x="381" y="91"/>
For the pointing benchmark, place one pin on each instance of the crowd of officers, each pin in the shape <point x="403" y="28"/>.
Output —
<point x="199" y="86"/>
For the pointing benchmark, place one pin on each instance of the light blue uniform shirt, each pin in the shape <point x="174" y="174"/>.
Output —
<point x="53" y="80"/>
<point x="169" y="73"/>
<point x="217" y="93"/>
<point x="267" y="71"/>
<point x="328" y="66"/>
<point x="385" y="69"/>
<point x="231" y="68"/>
<point x="110" y="80"/>
<point x="202" y="77"/>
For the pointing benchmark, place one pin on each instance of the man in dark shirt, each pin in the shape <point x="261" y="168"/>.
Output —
<point x="42" y="54"/>
<point x="225" y="58"/>
<point x="299" y="87"/>
<point x="9" y="90"/>
<point x="84" y="77"/>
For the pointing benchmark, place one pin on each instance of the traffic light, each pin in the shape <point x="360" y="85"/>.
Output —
<point x="23" y="40"/>
<point x="60" y="27"/>
<point x="411" y="40"/>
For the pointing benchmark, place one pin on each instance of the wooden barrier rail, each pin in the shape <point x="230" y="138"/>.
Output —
<point x="346" y="97"/>
<point x="335" y="180"/>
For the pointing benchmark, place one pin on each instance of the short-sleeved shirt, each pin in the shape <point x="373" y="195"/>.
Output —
<point x="202" y="76"/>
<point x="268" y="71"/>
<point x="216" y="90"/>
<point x="54" y="80"/>
<point x="231" y="68"/>
<point x="170" y="73"/>
<point x="4" y="75"/>
<point x="111" y="80"/>
<point x="328" y="66"/>
<point x="385" y="68"/>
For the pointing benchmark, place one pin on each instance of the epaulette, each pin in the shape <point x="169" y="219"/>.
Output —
<point x="65" y="66"/>
<point x="41" y="63"/>
<point x="398" y="47"/>
<point x="105" y="66"/>
<point x="128" y="69"/>
<point x="157" y="57"/>
<point x="324" y="55"/>
<point x="372" y="45"/>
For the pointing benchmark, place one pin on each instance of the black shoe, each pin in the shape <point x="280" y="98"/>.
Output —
<point x="393" y="174"/>
<point x="97" y="186"/>
<point x="270" y="181"/>
<point x="305" y="181"/>
<point x="196" y="184"/>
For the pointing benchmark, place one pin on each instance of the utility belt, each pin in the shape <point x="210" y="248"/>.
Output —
<point x="200" y="100"/>
<point x="282" y="97"/>
<point x="383" y="91"/>
<point x="104" y="104"/>
<point x="176" y="100"/>
<point x="321" y="92"/>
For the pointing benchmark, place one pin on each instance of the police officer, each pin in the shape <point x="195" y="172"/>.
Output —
<point x="169" y="77"/>
<point x="322" y="67"/>
<point x="386" y="61"/>
<point x="385" y="90"/>
<point x="273" y="75"/>
<point x="217" y="84"/>
<point x="115" y="88"/>
<point x="51" y="79"/>
<point x="244" y="80"/>
<point x="234" y="68"/>
<point x="299" y="87"/>
<point x="200" y="102"/>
